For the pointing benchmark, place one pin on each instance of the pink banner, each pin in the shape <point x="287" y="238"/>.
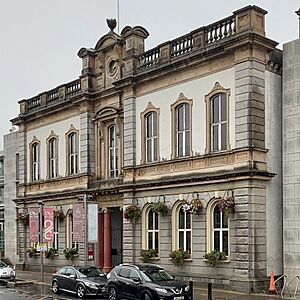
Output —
<point x="33" y="225"/>
<point x="78" y="222"/>
<point x="48" y="225"/>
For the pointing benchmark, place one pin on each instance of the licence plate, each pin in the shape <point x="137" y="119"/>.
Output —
<point x="179" y="298"/>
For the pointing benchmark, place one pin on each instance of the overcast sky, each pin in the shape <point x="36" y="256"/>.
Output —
<point x="39" y="39"/>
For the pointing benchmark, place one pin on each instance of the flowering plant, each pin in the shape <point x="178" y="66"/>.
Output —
<point x="147" y="255"/>
<point x="70" y="253"/>
<point x="160" y="207"/>
<point x="31" y="252"/>
<point x="214" y="257"/>
<point x="59" y="214"/>
<point x="193" y="207"/>
<point x="227" y="206"/>
<point x="50" y="253"/>
<point x="178" y="256"/>
<point x="132" y="213"/>
<point x="23" y="218"/>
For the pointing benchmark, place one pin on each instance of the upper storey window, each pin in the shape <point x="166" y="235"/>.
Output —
<point x="182" y="124"/>
<point x="150" y="129"/>
<point x="72" y="151"/>
<point x="217" y="112"/>
<point x="113" y="152"/>
<point x="52" y="156"/>
<point x="35" y="160"/>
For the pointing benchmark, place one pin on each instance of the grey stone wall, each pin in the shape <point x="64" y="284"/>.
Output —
<point x="22" y="140"/>
<point x="249" y="104"/>
<point x="87" y="143"/>
<point x="291" y="157"/>
<point x="129" y="132"/>
<point x="11" y="148"/>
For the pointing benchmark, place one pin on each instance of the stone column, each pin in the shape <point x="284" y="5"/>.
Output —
<point x="107" y="242"/>
<point x="100" y="240"/>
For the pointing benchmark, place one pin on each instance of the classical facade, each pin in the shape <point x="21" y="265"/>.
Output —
<point x="2" y="253"/>
<point x="191" y="124"/>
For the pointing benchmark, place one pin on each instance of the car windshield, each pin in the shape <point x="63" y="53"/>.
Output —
<point x="157" y="275"/>
<point x="90" y="272"/>
<point x="2" y="264"/>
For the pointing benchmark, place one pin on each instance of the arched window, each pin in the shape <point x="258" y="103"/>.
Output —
<point x="113" y="151"/>
<point x="184" y="230"/>
<point x="182" y="127"/>
<point x="151" y="137"/>
<point x="53" y="157"/>
<point x="217" y="114"/>
<point x="35" y="161"/>
<point x="73" y="153"/>
<point x="153" y="230"/>
<point x="69" y="223"/>
<point x="218" y="230"/>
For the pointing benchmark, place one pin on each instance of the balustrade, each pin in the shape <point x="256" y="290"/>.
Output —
<point x="52" y="96"/>
<point x="73" y="87"/>
<point x="148" y="59"/>
<point x="34" y="102"/>
<point x="182" y="45"/>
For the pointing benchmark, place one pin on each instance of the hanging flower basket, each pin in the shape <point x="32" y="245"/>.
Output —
<point x="227" y="206"/>
<point x="70" y="253"/>
<point x="59" y="214"/>
<point x="214" y="257"/>
<point x="51" y="252"/>
<point x="32" y="252"/>
<point x="23" y="218"/>
<point x="195" y="206"/>
<point x="132" y="213"/>
<point x="160" y="208"/>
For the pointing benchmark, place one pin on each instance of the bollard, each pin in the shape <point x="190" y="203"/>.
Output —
<point x="191" y="285"/>
<point x="209" y="291"/>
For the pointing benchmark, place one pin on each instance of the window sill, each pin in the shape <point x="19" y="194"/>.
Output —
<point x="153" y="258"/>
<point x="186" y="260"/>
<point x="223" y="261"/>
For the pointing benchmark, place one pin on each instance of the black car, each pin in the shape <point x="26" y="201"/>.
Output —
<point x="83" y="281"/>
<point x="146" y="282"/>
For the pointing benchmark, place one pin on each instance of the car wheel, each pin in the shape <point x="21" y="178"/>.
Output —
<point x="147" y="296"/>
<point x="55" y="287"/>
<point x="80" y="291"/>
<point x="112" y="293"/>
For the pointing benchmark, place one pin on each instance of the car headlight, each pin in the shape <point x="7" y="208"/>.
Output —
<point x="91" y="285"/>
<point x="161" y="290"/>
<point x="187" y="288"/>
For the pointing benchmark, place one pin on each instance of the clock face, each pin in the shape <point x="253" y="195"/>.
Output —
<point x="112" y="67"/>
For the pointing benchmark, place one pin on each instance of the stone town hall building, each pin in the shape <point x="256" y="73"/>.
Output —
<point x="193" y="118"/>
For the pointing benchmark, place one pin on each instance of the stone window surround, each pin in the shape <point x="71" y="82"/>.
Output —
<point x="69" y="231"/>
<point x="209" y="225"/>
<point x="145" y="212"/>
<point x="175" y="235"/>
<point x="103" y="120"/>
<point x="33" y="143"/>
<point x="67" y="136"/>
<point x="150" y="109"/>
<point x="217" y="89"/>
<point x="181" y="100"/>
<point x="52" y="136"/>
<point x="115" y="148"/>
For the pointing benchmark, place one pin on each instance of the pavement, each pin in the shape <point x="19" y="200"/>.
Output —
<point x="34" y="278"/>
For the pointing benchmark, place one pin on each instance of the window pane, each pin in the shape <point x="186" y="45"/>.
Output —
<point x="180" y="121"/>
<point x="217" y="240"/>
<point x="224" y="136"/>
<point x="224" y="221"/>
<point x="217" y="221"/>
<point x="215" y="145"/>
<point x="156" y="242"/>
<point x="156" y="221"/>
<point x="223" y="108"/>
<point x="188" y="220"/>
<point x="150" y="220"/>
<point x="188" y="241"/>
<point x="155" y="149"/>
<point x="187" y="143"/>
<point x="149" y="151"/>
<point x="150" y="240"/>
<point x="154" y="123"/>
<point x="215" y="109"/>
<point x="225" y="242"/>
<point x="181" y="219"/>
<point x="181" y="240"/>
<point x="187" y="116"/>
<point x="149" y="125"/>
<point x="180" y="144"/>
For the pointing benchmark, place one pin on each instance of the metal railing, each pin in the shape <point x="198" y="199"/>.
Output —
<point x="286" y="285"/>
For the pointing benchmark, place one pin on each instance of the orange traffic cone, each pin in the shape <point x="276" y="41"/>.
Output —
<point x="272" y="283"/>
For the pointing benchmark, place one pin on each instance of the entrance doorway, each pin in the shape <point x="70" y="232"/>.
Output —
<point x="116" y="236"/>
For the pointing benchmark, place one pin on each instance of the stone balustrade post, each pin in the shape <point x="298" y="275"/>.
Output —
<point x="250" y="18"/>
<point x="43" y="98"/>
<point x="165" y="52"/>
<point x="23" y="104"/>
<point x="62" y="92"/>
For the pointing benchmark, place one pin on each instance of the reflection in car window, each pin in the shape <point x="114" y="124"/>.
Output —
<point x="2" y="264"/>
<point x="62" y="271"/>
<point x="70" y="272"/>
<point x="134" y="274"/>
<point x="90" y="272"/>
<point x="158" y="275"/>
<point x="125" y="272"/>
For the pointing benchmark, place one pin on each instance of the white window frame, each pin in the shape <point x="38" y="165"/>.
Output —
<point x="153" y="231"/>
<point x="113" y="148"/>
<point x="151" y="137"/>
<point x="55" y="233"/>
<point x="185" y="230"/>
<point x="73" y="153"/>
<point x="53" y="157"/>
<point x="69" y="223"/>
<point x="35" y="157"/>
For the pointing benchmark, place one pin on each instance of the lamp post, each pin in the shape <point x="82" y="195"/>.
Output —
<point x="41" y="205"/>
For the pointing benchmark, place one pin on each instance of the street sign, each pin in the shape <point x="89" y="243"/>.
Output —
<point x="42" y="247"/>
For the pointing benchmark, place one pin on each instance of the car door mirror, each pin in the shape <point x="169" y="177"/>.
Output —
<point x="136" y="280"/>
<point x="72" y="276"/>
